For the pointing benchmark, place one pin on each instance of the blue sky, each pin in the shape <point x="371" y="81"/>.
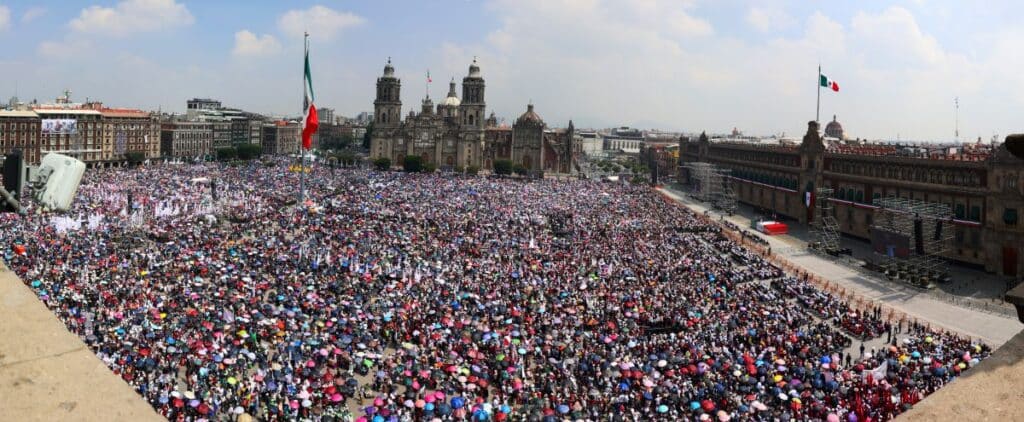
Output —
<point x="673" y="64"/>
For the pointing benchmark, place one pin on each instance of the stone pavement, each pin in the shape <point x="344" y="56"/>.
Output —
<point x="992" y="327"/>
<point x="48" y="374"/>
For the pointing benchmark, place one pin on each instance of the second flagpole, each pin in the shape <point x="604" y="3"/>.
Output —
<point x="817" y="112"/>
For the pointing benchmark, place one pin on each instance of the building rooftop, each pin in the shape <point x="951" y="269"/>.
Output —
<point x="18" y="113"/>
<point x="66" y="111"/>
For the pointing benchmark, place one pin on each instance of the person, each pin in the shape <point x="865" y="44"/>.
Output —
<point x="387" y="292"/>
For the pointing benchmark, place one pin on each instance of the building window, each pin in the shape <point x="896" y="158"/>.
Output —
<point x="976" y="213"/>
<point x="960" y="211"/>
<point x="1010" y="216"/>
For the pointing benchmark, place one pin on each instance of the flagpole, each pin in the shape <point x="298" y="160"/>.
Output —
<point x="817" y="113"/>
<point x="302" y="152"/>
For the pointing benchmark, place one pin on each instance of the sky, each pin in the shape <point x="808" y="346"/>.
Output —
<point x="690" y="65"/>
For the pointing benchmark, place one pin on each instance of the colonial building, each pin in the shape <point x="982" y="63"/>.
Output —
<point x="985" y="190"/>
<point x="281" y="138"/>
<point x="186" y="139"/>
<point x="456" y="132"/>
<point x="128" y="130"/>
<point x="19" y="129"/>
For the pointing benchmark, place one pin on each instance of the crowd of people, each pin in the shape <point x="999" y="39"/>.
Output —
<point x="386" y="296"/>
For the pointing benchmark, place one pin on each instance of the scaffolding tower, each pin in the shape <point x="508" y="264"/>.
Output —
<point x="713" y="185"/>
<point x="922" y="266"/>
<point x="825" y="232"/>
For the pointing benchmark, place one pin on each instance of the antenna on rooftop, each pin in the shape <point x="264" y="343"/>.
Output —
<point x="956" y="130"/>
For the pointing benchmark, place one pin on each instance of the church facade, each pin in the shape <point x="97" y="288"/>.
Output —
<point x="455" y="132"/>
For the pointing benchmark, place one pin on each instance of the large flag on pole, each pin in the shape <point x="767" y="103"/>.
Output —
<point x="825" y="82"/>
<point x="309" y="120"/>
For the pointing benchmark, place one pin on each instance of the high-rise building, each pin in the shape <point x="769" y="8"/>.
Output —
<point x="325" y="116"/>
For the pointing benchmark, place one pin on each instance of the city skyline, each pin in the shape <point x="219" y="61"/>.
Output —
<point x="687" y="66"/>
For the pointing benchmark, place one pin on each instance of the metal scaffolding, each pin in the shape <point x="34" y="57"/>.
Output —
<point x="713" y="185"/>
<point x="921" y="267"/>
<point x="825" y="233"/>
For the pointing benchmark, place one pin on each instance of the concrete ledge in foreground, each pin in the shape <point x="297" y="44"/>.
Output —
<point x="48" y="374"/>
<point x="991" y="391"/>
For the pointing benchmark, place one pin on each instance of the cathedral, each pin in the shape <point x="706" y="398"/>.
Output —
<point x="456" y="133"/>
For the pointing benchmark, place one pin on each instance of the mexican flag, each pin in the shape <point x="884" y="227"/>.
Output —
<point x="828" y="83"/>
<point x="309" y="121"/>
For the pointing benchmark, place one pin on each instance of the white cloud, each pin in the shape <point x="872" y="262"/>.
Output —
<point x="321" y="22"/>
<point x="71" y="47"/>
<point x="5" y="17"/>
<point x="767" y="20"/>
<point x="32" y="13"/>
<point x="132" y="16"/>
<point x="248" y="44"/>
<point x="897" y="23"/>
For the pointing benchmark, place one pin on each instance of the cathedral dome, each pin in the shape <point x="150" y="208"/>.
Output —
<point x="833" y="129"/>
<point x="451" y="101"/>
<point x="389" y="71"/>
<point x="530" y="117"/>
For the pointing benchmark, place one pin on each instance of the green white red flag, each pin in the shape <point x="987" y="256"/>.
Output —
<point x="310" y="123"/>
<point x="828" y="83"/>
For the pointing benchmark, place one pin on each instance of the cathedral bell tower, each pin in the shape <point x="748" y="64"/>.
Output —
<point x="471" y="109"/>
<point x="387" y="108"/>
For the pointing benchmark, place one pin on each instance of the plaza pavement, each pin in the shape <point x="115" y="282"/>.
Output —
<point x="994" y="328"/>
<point x="48" y="374"/>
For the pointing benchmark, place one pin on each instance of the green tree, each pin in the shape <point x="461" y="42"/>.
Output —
<point x="428" y="168"/>
<point x="249" y="151"/>
<point x="367" y="136"/>
<point x="412" y="163"/>
<point x="226" y="153"/>
<point x="519" y="169"/>
<point x="346" y="158"/>
<point x="502" y="167"/>
<point x="382" y="164"/>
<point x="473" y="170"/>
<point x="134" y="157"/>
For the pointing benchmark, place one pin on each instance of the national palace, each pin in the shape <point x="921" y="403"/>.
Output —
<point x="981" y="184"/>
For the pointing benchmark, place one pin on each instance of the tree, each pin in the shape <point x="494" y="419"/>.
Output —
<point x="503" y="167"/>
<point x="249" y="151"/>
<point x="367" y="136"/>
<point x="135" y="157"/>
<point x="412" y="163"/>
<point x="382" y="163"/>
<point x="473" y="170"/>
<point x="428" y="168"/>
<point x="346" y="158"/>
<point x="226" y="154"/>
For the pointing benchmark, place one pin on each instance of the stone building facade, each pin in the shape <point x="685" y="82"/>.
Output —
<point x="458" y="133"/>
<point x="186" y="139"/>
<point x="985" y="191"/>
<point x="281" y="138"/>
<point x="19" y="129"/>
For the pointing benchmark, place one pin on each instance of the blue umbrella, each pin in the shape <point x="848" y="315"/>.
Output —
<point x="563" y="409"/>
